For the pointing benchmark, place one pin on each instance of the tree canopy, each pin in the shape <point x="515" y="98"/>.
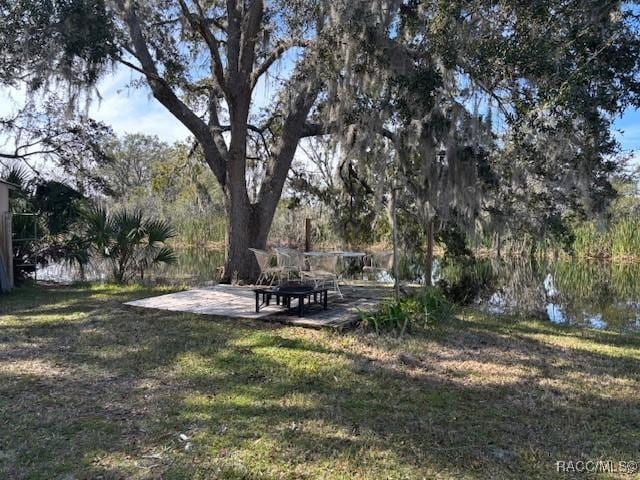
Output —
<point x="496" y="107"/>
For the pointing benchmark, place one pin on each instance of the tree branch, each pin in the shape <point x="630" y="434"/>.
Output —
<point x="21" y="156"/>
<point x="279" y="164"/>
<point x="253" y="128"/>
<point x="319" y="129"/>
<point x="233" y="38"/>
<point x="165" y="94"/>
<point x="198" y="24"/>
<point x="132" y="66"/>
<point x="275" y="55"/>
<point x="214" y="122"/>
<point x="250" y="28"/>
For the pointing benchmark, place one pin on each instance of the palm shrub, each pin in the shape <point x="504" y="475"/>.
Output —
<point x="130" y="242"/>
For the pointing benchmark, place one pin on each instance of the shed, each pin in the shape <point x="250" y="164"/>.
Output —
<point x="6" y="249"/>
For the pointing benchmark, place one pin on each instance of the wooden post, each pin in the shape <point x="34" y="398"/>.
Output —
<point x="307" y="234"/>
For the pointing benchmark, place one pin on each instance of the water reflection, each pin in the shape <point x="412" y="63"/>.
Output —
<point x="599" y="295"/>
<point x="193" y="266"/>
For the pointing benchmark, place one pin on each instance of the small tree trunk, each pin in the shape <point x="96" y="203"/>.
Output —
<point x="429" y="259"/>
<point x="394" y="228"/>
<point x="307" y="234"/>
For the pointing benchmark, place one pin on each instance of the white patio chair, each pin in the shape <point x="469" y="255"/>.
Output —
<point x="289" y="261"/>
<point x="323" y="271"/>
<point x="267" y="272"/>
<point x="379" y="262"/>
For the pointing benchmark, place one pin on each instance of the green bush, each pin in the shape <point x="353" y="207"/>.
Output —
<point x="429" y="307"/>
<point x="434" y="306"/>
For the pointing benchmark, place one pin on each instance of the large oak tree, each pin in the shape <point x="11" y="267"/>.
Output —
<point x="385" y="67"/>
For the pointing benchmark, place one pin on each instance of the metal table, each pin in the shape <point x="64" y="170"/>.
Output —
<point x="339" y="253"/>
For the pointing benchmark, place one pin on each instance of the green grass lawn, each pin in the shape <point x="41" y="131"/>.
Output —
<point x="91" y="388"/>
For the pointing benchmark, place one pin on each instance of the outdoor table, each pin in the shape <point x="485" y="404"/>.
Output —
<point x="339" y="253"/>
<point x="336" y="253"/>
<point x="287" y="293"/>
<point x="351" y="254"/>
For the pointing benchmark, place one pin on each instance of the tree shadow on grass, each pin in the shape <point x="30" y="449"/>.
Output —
<point x="566" y="350"/>
<point x="506" y="324"/>
<point x="109" y="395"/>
<point x="427" y="421"/>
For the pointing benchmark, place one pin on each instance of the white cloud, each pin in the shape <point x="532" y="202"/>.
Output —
<point x="125" y="108"/>
<point x="635" y="159"/>
<point x="12" y="99"/>
<point x="133" y="110"/>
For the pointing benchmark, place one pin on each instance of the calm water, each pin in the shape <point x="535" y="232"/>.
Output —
<point x="194" y="266"/>
<point x="589" y="294"/>
<point x="601" y="295"/>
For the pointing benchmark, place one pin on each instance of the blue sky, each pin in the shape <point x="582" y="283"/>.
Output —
<point x="629" y="138"/>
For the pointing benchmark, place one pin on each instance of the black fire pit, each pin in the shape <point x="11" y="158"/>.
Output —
<point x="288" y="291"/>
<point x="294" y="288"/>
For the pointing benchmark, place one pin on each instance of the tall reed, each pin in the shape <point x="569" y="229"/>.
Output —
<point x="625" y="238"/>
<point x="200" y="230"/>
<point x="620" y="240"/>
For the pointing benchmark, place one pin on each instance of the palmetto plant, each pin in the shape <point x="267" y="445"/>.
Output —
<point x="427" y="308"/>
<point x="129" y="241"/>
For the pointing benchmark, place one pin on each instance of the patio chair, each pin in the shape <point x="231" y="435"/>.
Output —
<point x="323" y="271"/>
<point x="379" y="262"/>
<point x="267" y="272"/>
<point x="289" y="261"/>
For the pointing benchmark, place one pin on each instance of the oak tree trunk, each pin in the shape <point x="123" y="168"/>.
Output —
<point x="247" y="226"/>
<point x="244" y="229"/>
<point x="238" y="239"/>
